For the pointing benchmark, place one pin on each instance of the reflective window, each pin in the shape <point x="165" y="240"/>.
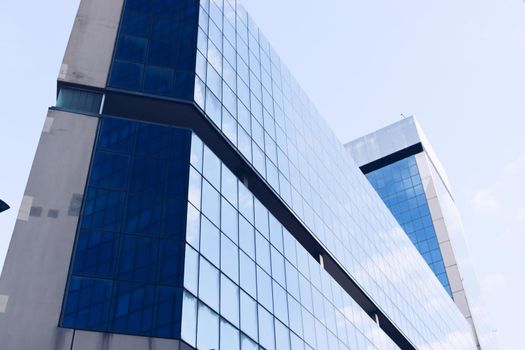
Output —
<point x="229" y="300"/>
<point x="154" y="52"/>
<point x="247" y="274"/>
<point x="126" y="272"/>
<point x="230" y="259"/>
<point x="210" y="241"/>
<point x="266" y="329"/>
<point x="229" y="336"/>
<point x="207" y="329"/>
<point x="189" y="319"/>
<point x="248" y="315"/>
<point x="209" y="284"/>
<point x="399" y="185"/>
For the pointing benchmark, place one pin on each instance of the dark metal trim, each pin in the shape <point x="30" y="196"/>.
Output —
<point x="392" y="158"/>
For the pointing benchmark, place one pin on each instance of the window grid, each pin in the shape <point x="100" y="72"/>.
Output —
<point x="126" y="270"/>
<point x="284" y="277"/>
<point x="399" y="185"/>
<point x="244" y="89"/>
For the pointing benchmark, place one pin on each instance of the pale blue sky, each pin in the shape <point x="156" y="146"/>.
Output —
<point x="458" y="65"/>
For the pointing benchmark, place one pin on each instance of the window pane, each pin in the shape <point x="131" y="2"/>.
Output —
<point x="209" y="284"/>
<point x="87" y="304"/>
<point x="212" y="168"/>
<point x="276" y="234"/>
<point x="261" y="219"/>
<point x="248" y="315"/>
<point x="280" y="303"/>
<point x="263" y="253"/>
<point x="246" y="237"/>
<point x="194" y="189"/>
<point x="278" y="267"/>
<point x="264" y="289"/>
<point x="189" y="318"/>
<point x="295" y="316"/>
<point x="211" y="203"/>
<point x="229" y="259"/>
<point x="247" y="274"/>
<point x="245" y="203"/>
<point x="191" y="270"/>
<point x="210" y="241"/>
<point x="266" y="329"/>
<point x="229" y="300"/>
<point x="196" y="152"/>
<point x="247" y="343"/>
<point x="138" y="258"/>
<point x="208" y="328"/>
<point x="95" y="253"/>
<point x="133" y="310"/>
<point x="229" y="220"/>
<point x="193" y="228"/>
<point x="282" y="337"/>
<point x="229" y="336"/>
<point x="229" y="186"/>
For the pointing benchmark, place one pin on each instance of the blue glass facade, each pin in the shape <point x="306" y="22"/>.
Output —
<point x="249" y="284"/>
<point x="244" y="89"/>
<point x="127" y="265"/>
<point x="154" y="52"/>
<point x="399" y="185"/>
<point x="172" y="244"/>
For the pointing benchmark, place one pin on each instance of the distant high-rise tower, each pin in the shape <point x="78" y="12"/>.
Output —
<point x="186" y="194"/>
<point x="404" y="170"/>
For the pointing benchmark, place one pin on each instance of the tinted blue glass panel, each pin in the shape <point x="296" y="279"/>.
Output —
<point x="399" y="185"/>
<point x="156" y="48"/>
<point x="95" y="253"/>
<point x="128" y="262"/>
<point x="88" y="303"/>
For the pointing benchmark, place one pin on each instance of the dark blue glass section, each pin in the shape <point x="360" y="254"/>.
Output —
<point x="95" y="253"/>
<point x="156" y="48"/>
<point x="127" y="266"/>
<point x="399" y="185"/>
<point x="88" y="303"/>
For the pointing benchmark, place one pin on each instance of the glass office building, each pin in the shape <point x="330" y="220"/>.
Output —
<point x="197" y="200"/>
<point x="406" y="173"/>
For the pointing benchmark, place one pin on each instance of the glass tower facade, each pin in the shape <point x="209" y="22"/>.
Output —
<point x="399" y="185"/>
<point x="221" y="211"/>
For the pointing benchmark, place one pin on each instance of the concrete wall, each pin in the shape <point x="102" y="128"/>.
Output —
<point x="35" y="271"/>
<point x="90" y="49"/>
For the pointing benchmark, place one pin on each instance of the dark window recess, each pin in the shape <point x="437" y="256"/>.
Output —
<point x="79" y="100"/>
<point x="126" y="272"/>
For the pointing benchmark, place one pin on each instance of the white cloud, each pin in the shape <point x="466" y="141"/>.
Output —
<point x="485" y="201"/>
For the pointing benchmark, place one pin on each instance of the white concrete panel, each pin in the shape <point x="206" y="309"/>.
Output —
<point x="48" y="124"/>
<point x="25" y="208"/>
<point x="461" y="301"/>
<point x="435" y="208"/>
<point x="4" y="299"/>
<point x="454" y="277"/>
<point x="90" y="48"/>
<point x="428" y="186"/>
<point x="441" y="230"/>
<point x="37" y="263"/>
<point x="423" y="166"/>
<point x="448" y="254"/>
